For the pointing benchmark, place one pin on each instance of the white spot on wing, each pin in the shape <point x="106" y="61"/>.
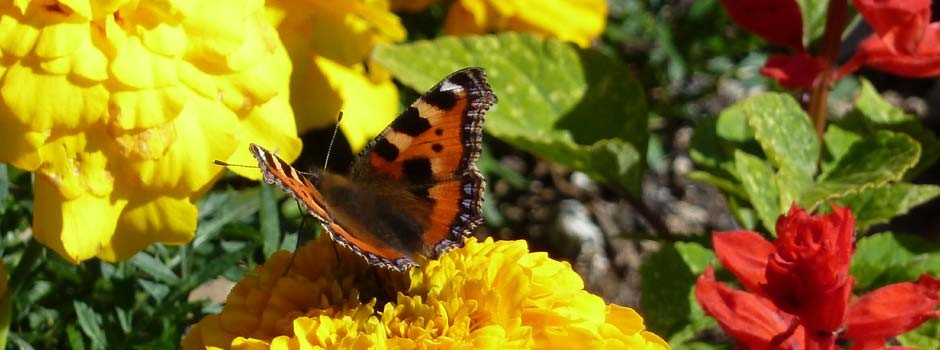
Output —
<point x="448" y="86"/>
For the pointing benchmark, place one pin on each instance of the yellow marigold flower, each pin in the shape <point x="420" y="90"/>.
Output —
<point x="486" y="295"/>
<point x="120" y="107"/>
<point x="330" y="43"/>
<point x="578" y="21"/>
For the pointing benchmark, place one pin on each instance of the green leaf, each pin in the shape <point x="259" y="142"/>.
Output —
<point x="155" y="268"/>
<point x="838" y="141"/>
<point x="6" y="307"/>
<point x="668" y="278"/>
<point x="784" y="132"/>
<point x="871" y="162"/>
<point x="90" y="323"/>
<point x="927" y="336"/>
<point x="270" y="219"/>
<point x="757" y="178"/>
<point x="887" y="258"/>
<point x="74" y="338"/>
<point x="576" y="107"/>
<point x="884" y="116"/>
<point x="878" y="205"/>
<point x="814" y="18"/>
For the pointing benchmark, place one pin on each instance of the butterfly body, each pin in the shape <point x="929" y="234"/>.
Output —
<point x="414" y="190"/>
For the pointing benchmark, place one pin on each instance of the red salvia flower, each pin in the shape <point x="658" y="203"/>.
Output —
<point x="799" y="289"/>
<point x="777" y="21"/>
<point x="900" y="24"/>
<point x="904" y="42"/>
<point x="793" y="72"/>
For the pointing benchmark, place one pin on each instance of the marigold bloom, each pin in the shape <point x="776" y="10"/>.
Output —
<point x="120" y="108"/>
<point x="578" y="21"/>
<point x="799" y="288"/>
<point x="485" y="295"/>
<point x="330" y="43"/>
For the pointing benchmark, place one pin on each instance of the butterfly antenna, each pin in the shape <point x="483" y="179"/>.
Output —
<point x="224" y="163"/>
<point x="329" y="149"/>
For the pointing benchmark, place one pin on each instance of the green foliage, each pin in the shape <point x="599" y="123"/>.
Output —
<point x="668" y="302"/>
<point x="140" y="303"/>
<point x="763" y="151"/>
<point x="572" y="106"/>
<point x="887" y="258"/>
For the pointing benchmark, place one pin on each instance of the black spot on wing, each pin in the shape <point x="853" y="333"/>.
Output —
<point x="437" y="148"/>
<point x="441" y="99"/>
<point x="417" y="171"/>
<point x="439" y="131"/>
<point x="386" y="150"/>
<point x="461" y="78"/>
<point x="411" y="123"/>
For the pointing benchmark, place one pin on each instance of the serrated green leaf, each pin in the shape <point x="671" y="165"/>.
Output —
<point x="90" y="324"/>
<point x="871" y="162"/>
<point x="887" y="258"/>
<point x="885" y="116"/>
<point x="757" y="178"/>
<point x="784" y="132"/>
<point x="881" y="204"/>
<point x="575" y="107"/>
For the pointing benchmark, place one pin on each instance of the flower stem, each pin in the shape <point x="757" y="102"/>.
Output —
<point x="832" y="39"/>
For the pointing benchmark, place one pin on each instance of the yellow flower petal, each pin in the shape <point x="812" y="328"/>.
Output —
<point x="145" y="221"/>
<point x="63" y="224"/>
<point x="201" y="133"/>
<point x="121" y="106"/>
<point x="272" y="126"/>
<point x="370" y="102"/>
<point x="21" y="148"/>
<point x="486" y="295"/>
<point x="62" y="104"/>
<point x="326" y="64"/>
<point x="16" y="39"/>
<point x="61" y="39"/>
<point x="579" y="21"/>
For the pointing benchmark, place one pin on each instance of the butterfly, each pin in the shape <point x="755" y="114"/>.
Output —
<point x="414" y="190"/>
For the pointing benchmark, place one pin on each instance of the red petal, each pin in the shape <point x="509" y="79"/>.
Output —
<point x="893" y="309"/>
<point x="745" y="254"/>
<point x="899" y="23"/>
<point x="748" y="318"/>
<point x="777" y="21"/>
<point x="873" y="53"/>
<point x="808" y="275"/>
<point x="792" y="72"/>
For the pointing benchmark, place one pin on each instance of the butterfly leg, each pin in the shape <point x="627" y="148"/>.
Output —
<point x="339" y="266"/>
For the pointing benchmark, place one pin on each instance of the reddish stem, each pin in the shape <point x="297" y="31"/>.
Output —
<point x="832" y="39"/>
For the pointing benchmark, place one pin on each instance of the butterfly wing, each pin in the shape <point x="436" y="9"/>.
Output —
<point x="430" y="151"/>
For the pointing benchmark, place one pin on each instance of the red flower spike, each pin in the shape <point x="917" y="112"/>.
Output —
<point x="873" y="53"/>
<point x="793" y="72"/>
<point x="777" y="21"/>
<point x="899" y="23"/>
<point x="808" y="275"/>
<point x="745" y="254"/>
<point x="893" y="309"/>
<point x="751" y="320"/>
